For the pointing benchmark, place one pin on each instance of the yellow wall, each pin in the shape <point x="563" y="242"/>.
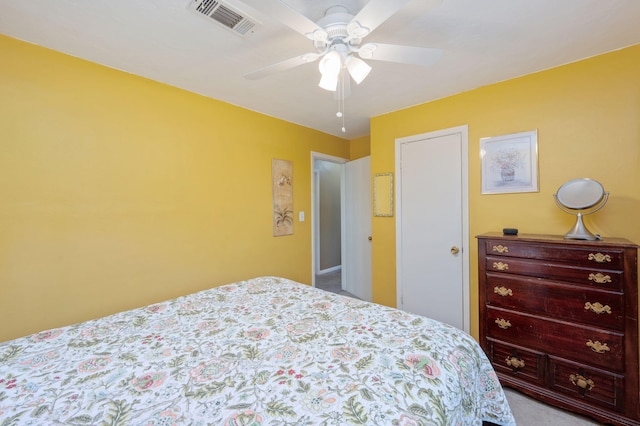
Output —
<point x="118" y="191"/>
<point x="588" y="119"/>
<point x="359" y="147"/>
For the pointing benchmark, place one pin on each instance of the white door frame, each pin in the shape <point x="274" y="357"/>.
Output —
<point x="314" y="208"/>
<point x="464" y="133"/>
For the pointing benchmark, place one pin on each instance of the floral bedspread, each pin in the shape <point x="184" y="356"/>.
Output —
<point x="267" y="351"/>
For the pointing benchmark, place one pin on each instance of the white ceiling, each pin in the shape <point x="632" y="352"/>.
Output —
<point x="484" y="41"/>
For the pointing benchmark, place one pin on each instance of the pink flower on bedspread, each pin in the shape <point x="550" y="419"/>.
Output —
<point x="227" y="288"/>
<point x="244" y="418"/>
<point x="209" y="370"/>
<point x="345" y="353"/>
<point x="322" y="306"/>
<point x="99" y="331"/>
<point x="318" y="400"/>
<point x="47" y="335"/>
<point x="165" y="324"/>
<point x="423" y="364"/>
<point x="257" y="333"/>
<point x="257" y="288"/>
<point x="193" y="305"/>
<point x="301" y="327"/>
<point x="9" y="384"/>
<point x="352" y="316"/>
<point x="39" y="361"/>
<point x="164" y="418"/>
<point x="94" y="364"/>
<point x="405" y="420"/>
<point x="149" y="381"/>
<point x="208" y="325"/>
<point x="399" y="316"/>
<point x="154" y="309"/>
<point x="286" y="353"/>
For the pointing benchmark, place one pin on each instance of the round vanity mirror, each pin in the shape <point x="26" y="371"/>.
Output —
<point x="579" y="194"/>
<point x="581" y="197"/>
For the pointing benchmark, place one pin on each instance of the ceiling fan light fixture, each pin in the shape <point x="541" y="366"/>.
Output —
<point x="329" y="82"/>
<point x="358" y="69"/>
<point x="330" y="66"/>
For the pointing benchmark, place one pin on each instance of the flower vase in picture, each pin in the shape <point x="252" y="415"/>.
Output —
<point x="507" y="161"/>
<point x="508" y="174"/>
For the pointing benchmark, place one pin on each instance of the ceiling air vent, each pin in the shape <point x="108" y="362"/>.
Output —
<point x="224" y="15"/>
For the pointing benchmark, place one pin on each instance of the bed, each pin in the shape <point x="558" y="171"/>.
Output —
<point x="267" y="351"/>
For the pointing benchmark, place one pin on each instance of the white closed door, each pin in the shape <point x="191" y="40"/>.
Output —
<point x="432" y="228"/>
<point x="356" y="260"/>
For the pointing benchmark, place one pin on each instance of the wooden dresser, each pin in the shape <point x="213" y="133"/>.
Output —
<point x="559" y="321"/>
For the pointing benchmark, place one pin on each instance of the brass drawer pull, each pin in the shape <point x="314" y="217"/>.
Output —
<point x="503" y="323"/>
<point x="503" y="291"/>
<point x="500" y="266"/>
<point x="501" y="249"/>
<point x="581" y="382"/>
<point x="598" y="347"/>
<point x="597" y="307"/>
<point x="599" y="257"/>
<point x="599" y="278"/>
<point x="514" y="362"/>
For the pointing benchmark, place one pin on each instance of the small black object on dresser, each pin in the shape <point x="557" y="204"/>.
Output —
<point x="559" y="321"/>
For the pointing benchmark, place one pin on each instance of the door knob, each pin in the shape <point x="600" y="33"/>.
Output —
<point x="370" y="238"/>
<point x="455" y="250"/>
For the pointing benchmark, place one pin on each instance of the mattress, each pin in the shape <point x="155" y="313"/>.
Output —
<point x="266" y="351"/>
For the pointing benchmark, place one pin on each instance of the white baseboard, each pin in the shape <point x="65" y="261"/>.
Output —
<point x="332" y="269"/>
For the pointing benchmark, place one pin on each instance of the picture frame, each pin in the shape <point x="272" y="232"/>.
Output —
<point x="510" y="163"/>
<point x="383" y="194"/>
<point x="282" y="193"/>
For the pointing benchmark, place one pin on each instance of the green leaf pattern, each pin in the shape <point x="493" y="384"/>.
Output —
<point x="267" y="351"/>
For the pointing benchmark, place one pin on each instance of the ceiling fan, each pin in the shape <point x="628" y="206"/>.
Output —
<point x="337" y="38"/>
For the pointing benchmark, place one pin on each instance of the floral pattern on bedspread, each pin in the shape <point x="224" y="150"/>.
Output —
<point x="266" y="351"/>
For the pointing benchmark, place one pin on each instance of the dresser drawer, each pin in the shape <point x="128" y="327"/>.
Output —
<point x="589" y="345"/>
<point x="589" y="384"/>
<point x="596" y="257"/>
<point x="557" y="300"/>
<point x="598" y="278"/>
<point x="515" y="361"/>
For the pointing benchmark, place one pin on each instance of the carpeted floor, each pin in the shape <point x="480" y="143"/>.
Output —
<point x="527" y="411"/>
<point x="332" y="281"/>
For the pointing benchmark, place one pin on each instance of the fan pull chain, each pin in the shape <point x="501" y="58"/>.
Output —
<point x="340" y="113"/>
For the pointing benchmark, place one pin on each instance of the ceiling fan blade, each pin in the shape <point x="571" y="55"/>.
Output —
<point x="290" y="17"/>
<point x="375" y="12"/>
<point x="424" y="56"/>
<point x="282" y="66"/>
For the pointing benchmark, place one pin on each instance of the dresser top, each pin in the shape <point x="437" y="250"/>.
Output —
<point x="618" y="242"/>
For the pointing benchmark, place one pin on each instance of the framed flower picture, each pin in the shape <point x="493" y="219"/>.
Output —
<point x="510" y="163"/>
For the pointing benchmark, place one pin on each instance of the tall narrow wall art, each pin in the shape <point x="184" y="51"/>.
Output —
<point x="282" y="184"/>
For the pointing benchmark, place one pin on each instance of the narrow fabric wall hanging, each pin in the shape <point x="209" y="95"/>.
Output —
<point x="282" y="177"/>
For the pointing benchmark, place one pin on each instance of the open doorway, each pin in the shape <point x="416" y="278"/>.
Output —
<point x="327" y="222"/>
<point x="341" y="242"/>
